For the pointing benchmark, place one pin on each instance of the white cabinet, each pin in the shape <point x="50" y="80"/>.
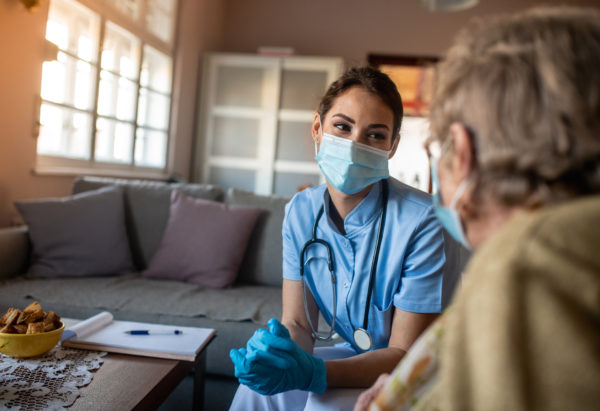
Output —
<point x="255" y="119"/>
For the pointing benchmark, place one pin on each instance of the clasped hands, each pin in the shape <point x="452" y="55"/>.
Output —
<point x="272" y="363"/>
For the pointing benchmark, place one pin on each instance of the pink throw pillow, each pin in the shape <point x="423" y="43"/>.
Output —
<point x="204" y="242"/>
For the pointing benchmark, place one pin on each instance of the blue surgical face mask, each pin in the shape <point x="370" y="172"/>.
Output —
<point x="350" y="166"/>
<point x="448" y="216"/>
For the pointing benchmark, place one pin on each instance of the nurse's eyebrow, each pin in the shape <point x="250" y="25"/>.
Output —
<point x="350" y="120"/>
<point x="379" y="126"/>
<point x="345" y="117"/>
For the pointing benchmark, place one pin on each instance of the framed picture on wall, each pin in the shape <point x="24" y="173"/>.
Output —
<point x="414" y="78"/>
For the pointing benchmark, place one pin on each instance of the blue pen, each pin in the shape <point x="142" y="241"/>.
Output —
<point x="148" y="332"/>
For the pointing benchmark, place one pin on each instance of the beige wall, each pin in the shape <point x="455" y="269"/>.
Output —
<point x="22" y="52"/>
<point x="347" y="28"/>
<point x="201" y="30"/>
<point x="353" y="28"/>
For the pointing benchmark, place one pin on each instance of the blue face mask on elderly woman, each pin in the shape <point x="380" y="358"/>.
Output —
<point x="350" y="166"/>
<point x="448" y="216"/>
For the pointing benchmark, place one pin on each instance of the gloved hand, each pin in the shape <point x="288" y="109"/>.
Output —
<point x="264" y="372"/>
<point x="273" y="363"/>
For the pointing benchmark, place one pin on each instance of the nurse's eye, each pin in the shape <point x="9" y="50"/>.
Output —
<point x="377" y="136"/>
<point x="342" y="126"/>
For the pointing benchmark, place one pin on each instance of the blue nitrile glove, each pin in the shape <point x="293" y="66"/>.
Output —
<point x="272" y="349"/>
<point x="262" y="376"/>
<point x="273" y="363"/>
<point x="265" y="380"/>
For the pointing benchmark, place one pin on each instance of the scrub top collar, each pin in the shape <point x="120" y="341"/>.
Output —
<point x="362" y="215"/>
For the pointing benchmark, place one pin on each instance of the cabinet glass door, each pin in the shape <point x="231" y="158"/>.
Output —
<point x="256" y="118"/>
<point x="301" y="89"/>
<point x="241" y="110"/>
<point x="294" y="141"/>
<point x="235" y="137"/>
<point x="303" y="83"/>
<point x="239" y="86"/>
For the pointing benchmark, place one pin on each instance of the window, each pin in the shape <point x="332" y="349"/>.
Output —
<point x="106" y="98"/>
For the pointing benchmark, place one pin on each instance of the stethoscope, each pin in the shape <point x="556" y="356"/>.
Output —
<point x="362" y="338"/>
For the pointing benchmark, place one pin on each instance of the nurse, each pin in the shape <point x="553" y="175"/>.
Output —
<point x="364" y="250"/>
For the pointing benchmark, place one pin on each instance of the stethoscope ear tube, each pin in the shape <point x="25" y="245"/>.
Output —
<point x="315" y="240"/>
<point x="361" y="336"/>
<point x="384" y="195"/>
<point x="312" y="327"/>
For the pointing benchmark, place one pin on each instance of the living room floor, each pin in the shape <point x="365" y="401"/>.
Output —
<point x="218" y="394"/>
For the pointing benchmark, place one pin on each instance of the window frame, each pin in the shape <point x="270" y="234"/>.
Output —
<point x="47" y="164"/>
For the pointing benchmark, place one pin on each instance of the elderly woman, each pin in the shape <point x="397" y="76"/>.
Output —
<point x="516" y="156"/>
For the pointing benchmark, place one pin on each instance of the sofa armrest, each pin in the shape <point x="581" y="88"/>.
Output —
<point x="14" y="250"/>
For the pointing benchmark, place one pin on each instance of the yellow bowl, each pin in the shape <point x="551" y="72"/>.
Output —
<point x="29" y="345"/>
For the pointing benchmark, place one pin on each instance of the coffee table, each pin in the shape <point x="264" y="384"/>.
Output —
<point x="133" y="382"/>
<point x="130" y="382"/>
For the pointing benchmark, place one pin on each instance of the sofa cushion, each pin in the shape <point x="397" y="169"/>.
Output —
<point x="204" y="242"/>
<point x="262" y="262"/>
<point x="81" y="235"/>
<point x="150" y="297"/>
<point x="147" y="209"/>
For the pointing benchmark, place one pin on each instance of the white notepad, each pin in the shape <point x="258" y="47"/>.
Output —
<point x="101" y="332"/>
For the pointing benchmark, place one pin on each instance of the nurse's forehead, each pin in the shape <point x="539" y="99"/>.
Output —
<point x="357" y="95"/>
<point x="356" y="103"/>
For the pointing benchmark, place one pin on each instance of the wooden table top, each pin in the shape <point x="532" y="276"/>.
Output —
<point x="126" y="382"/>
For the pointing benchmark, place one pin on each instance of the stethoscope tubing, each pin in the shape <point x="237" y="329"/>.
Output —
<point x="384" y="196"/>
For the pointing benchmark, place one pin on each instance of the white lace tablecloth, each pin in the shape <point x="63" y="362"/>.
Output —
<point x="49" y="382"/>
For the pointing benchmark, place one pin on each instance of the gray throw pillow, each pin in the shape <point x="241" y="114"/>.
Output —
<point x="80" y="235"/>
<point x="147" y="209"/>
<point x="263" y="260"/>
<point x="204" y="242"/>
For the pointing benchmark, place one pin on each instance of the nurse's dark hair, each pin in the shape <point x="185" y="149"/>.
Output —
<point x="372" y="80"/>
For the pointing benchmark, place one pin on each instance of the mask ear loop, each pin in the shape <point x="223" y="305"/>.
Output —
<point x="315" y="140"/>
<point x="462" y="187"/>
<point x="460" y="190"/>
<point x="458" y="193"/>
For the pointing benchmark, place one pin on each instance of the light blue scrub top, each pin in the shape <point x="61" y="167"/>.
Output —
<point x="411" y="259"/>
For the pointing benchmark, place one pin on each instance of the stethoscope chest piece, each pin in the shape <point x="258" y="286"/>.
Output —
<point x="362" y="339"/>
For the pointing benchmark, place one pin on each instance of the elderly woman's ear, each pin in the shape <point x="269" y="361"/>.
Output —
<point x="463" y="160"/>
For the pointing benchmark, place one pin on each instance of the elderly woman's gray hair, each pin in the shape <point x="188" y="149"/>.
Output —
<point x="530" y="98"/>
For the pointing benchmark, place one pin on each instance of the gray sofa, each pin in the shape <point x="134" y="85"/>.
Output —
<point x="235" y="312"/>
